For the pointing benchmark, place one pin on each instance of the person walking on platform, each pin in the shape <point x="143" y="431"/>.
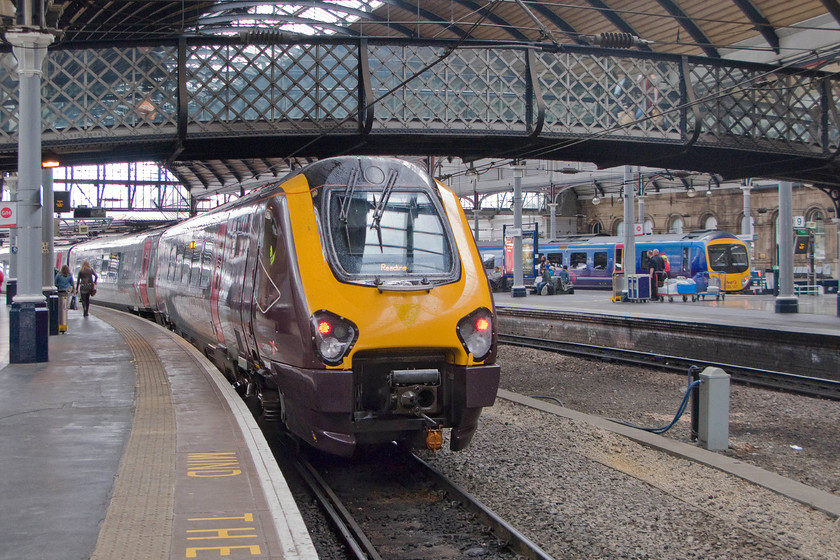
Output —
<point x="87" y="285"/>
<point x="64" y="285"/>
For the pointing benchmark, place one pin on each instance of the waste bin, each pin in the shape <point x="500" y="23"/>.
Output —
<point x="619" y="286"/>
<point x="63" y="300"/>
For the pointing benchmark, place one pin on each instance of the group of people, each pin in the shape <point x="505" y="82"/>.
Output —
<point x="660" y="269"/>
<point x="87" y="279"/>
<point x="546" y="276"/>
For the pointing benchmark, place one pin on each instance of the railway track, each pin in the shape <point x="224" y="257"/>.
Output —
<point x="811" y="386"/>
<point x="393" y="505"/>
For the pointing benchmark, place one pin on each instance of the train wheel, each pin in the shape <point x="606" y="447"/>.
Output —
<point x="685" y="299"/>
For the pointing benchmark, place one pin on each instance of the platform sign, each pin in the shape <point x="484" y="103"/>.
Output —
<point x="640" y="229"/>
<point x="8" y="214"/>
<point x="799" y="221"/>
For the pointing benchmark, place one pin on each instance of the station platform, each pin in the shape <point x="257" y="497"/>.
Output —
<point x="817" y="313"/>
<point x="128" y="443"/>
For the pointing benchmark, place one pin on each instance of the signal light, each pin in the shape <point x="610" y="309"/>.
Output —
<point x="332" y="336"/>
<point x="476" y="333"/>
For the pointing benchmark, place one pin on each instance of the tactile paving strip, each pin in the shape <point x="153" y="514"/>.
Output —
<point x="138" y="523"/>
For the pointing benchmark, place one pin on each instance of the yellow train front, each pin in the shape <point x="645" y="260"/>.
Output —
<point x="371" y="315"/>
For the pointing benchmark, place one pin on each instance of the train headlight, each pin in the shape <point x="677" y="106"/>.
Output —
<point x="332" y="336"/>
<point x="476" y="333"/>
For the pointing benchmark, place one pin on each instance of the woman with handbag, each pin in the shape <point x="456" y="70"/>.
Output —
<point x="64" y="285"/>
<point x="87" y="285"/>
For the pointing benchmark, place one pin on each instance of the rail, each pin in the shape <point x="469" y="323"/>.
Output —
<point x="810" y="386"/>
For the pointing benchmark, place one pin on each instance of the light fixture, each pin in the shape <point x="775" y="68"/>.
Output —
<point x="691" y="193"/>
<point x="595" y="200"/>
<point x="49" y="160"/>
<point x="709" y="192"/>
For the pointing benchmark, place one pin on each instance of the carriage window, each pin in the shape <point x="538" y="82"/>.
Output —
<point x="577" y="260"/>
<point x="206" y="265"/>
<point x="195" y="266"/>
<point x="556" y="259"/>
<point x="600" y="260"/>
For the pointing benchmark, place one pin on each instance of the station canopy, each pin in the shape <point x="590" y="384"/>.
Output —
<point x="769" y="31"/>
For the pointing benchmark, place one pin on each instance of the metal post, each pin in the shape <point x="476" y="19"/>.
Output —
<point x="786" y="302"/>
<point x="713" y="431"/>
<point x="28" y="319"/>
<point x="518" y="289"/>
<point x="552" y="232"/>
<point x="629" y="229"/>
<point x="11" y="279"/>
<point x="47" y="222"/>
<point x="475" y="208"/>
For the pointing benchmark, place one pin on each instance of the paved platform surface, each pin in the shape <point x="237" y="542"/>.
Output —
<point x="817" y="314"/>
<point x="129" y="444"/>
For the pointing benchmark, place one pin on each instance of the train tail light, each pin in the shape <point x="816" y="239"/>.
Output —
<point x="332" y="336"/>
<point x="476" y="333"/>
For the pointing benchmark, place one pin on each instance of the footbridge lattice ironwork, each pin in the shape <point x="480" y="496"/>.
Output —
<point x="201" y="99"/>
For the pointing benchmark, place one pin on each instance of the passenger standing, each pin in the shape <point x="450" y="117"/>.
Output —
<point x="87" y="285"/>
<point x="64" y="285"/>
<point x="657" y="271"/>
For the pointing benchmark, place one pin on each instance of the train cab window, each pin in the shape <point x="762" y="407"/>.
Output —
<point x="728" y="258"/>
<point x="396" y="235"/>
<point x="600" y="260"/>
<point x="577" y="260"/>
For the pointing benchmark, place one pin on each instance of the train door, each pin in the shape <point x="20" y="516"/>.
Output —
<point x="142" y="283"/>
<point x="601" y="268"/>
<point x="579" y="268"/>
<point x="216" y="282"/>
<point x="247" y="235"/>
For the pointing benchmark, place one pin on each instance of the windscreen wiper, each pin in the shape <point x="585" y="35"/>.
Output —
<point x="379" y="208"/>
<point x="348" y="195"/>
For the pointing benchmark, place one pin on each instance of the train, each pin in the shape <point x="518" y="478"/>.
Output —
<point x="592" y="260"/>
<point x="347" y="299"/>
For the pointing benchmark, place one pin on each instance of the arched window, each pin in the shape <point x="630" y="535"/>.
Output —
<point x="619" y="228"/>
<point x="596" y="227"/>
<point x="648" y="227"/>
<point x="710" y="223"/>
<point x="677" y="225"/>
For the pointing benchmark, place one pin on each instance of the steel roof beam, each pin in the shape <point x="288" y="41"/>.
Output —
<point x="560" y="23"/>
<point x="431" y="16"/>
<point x="484" y="11"/>
<point x="761" y="24"/>
<point x="688" y="24"/>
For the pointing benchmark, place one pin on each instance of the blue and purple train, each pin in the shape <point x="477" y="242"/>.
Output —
<point x="593" y="259"/>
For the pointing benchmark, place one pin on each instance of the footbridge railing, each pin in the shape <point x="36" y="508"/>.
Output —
<point x="429" y="96"/>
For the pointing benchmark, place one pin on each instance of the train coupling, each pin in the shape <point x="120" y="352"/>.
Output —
<point x="434" y="438"/>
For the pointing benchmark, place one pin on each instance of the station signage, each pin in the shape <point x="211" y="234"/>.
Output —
<point x="8" y="214"/>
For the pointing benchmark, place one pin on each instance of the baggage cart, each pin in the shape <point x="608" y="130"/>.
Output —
<point x="679" y="287"/>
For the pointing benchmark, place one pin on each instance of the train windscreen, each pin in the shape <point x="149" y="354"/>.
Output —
<point x="729" y="258"/>
<point x="396" y="235"/>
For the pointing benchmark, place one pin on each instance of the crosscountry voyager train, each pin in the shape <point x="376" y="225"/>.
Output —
<point x="349" y="298"/>
<point x="593" y="259"/>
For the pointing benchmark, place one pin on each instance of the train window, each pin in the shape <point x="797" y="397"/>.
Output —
<point x="195" y="266"/>
<point x="556" y="259"/>
<point x="577" y="260"/>
<point x="728" y="258"/>
<point x="388" y="234"/>
<point x="206" y="265"/>
<point x="600" y="260"/>
<point x="271" y="263"/>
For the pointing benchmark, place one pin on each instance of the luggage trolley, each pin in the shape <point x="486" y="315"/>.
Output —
<point x="713" y="284"/>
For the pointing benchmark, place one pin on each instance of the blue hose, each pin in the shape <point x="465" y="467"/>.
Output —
<point x="680" y="410"/>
